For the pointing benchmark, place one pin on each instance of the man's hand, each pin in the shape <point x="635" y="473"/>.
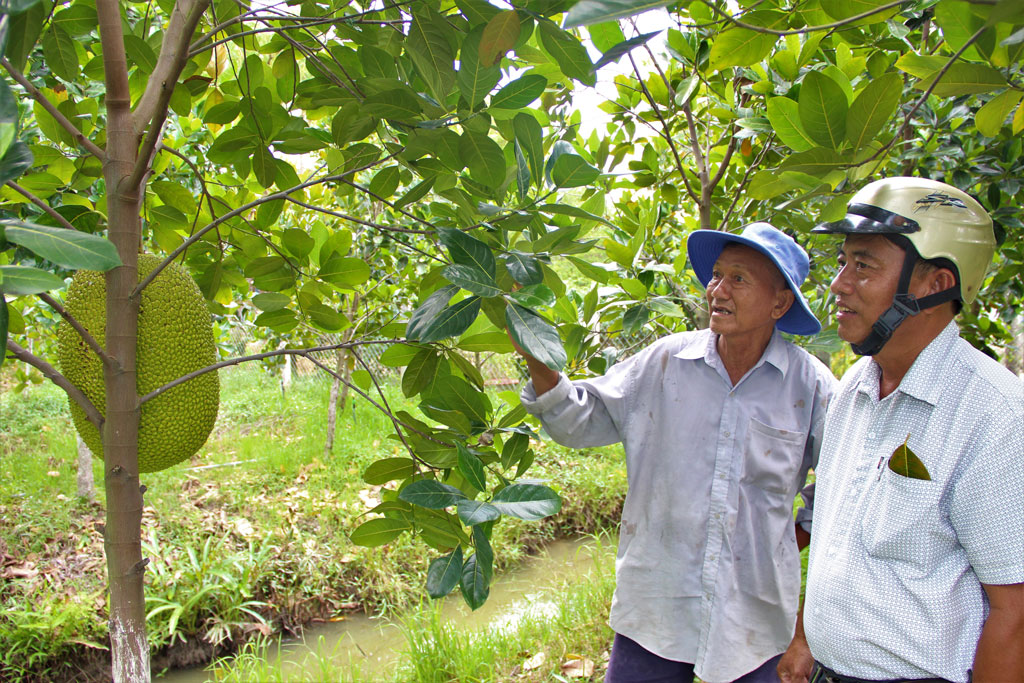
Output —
<point x="544" y="378"/>
<point x="797" y="664"/>
<point x="1000" y="654"/>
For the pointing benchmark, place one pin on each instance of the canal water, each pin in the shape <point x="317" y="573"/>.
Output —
<point x="373" y="644"/>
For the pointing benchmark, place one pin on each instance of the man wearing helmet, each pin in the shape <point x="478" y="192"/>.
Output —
<point x="719" y="428"/>
<point x="917" y="555"/>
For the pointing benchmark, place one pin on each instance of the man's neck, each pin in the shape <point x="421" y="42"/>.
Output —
<point x="899" y="353"/>
<point x="740" y="353"/>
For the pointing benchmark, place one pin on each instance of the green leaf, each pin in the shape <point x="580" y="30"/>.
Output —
<point x="67" y="248"/>
<point x="520" y="92"/>
<point x="567" y="51"/>
<point x="823" y="107"/>
<point x="449" y="322"/>
<point x="622" y="48"/>
<point x="377" y="532"/>
<point x="589" y="270"/>
<point x="473" y="512"/>
<point x="4" y="323"/>
<point x="428" y="311"/>
<point x="421" y="372"/>
<point x="872" y="108"/>
<point x="15" y="162"/>
<point x="139" y="54"/>
<point x="964" y="79"/>
<point x="476" y="78"/>
<point x="466" y="250"/>
<point x="484" y="342"/>
<point x="483" y="157"/>
<point x="784" y="115"/>
<point x="571" y="170"/>
<point x="263" y="166"/>
<point x="535" y="336"/>
<point x="456" y="394"/>
<point x="905" y="463"/>
<point x="586" y="12"/>
<point x="23" y="281"/>
<point x="385" y="182"/>
<point x="743" y="46"/>
<point x="634" y="319"/>
<point x="921" y="66"/>
<point x="23" y="31"/>
<point x="389" y="469"/>
<point x="533" y="296"/>
<point x="431" y="494"/>
<point x="298" y="242"/>
<point x="60" y="54"/>
<point x="574" y="211"/>
<point x="515" y="448"/>
<point x="993" y="114"/>
<point x="817" y="162"/>
<point x="499" y="36"/>
<point x="345" y="271"/>
<point x="399" y="355"/>
<point x="271" y="301"/>
<point x="393" y="104"/>
<point x="843" y="9"/>
<point x="524" y="268"/>
<point x="430" y="50"/>
<point x="523" y="175"/>
<point x="475" y="584"/>
<point x="530" y="136"/>
<point x="325" y="317"/>
<point x="8" y="118"/>
<point x="471" y="468"/>
<point x="444" y="574"/>
<point x="527" y="501"/>
<point x="472" y="279"/>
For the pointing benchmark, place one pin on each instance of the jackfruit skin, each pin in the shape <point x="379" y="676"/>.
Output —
<point x="175" y="337"/>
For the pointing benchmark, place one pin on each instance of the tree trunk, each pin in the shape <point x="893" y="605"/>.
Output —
<point x="86" y="486"/>
<point x="122" y="538"/>
<point x="339" y="396"/>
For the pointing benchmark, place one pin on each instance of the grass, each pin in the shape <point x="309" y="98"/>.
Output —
<point x="249" y="538"/>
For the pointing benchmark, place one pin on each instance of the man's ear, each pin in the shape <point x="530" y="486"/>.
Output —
<point x="784" y="299"/>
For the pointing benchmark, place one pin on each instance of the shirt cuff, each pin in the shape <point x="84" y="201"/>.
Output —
<point x="535" y="405"/>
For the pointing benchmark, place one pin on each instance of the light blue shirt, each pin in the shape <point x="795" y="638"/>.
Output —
<point x="708" y="570"/>
<point x="896" y="565"/>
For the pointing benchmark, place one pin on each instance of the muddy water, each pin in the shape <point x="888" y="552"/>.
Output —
<point x="373" y="645"/>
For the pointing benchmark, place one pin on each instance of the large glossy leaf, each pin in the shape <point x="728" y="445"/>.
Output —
<point x="431" y="494"/>
<point x="444" y="574"/>
<point x="483" y="157"/>
<point x="472" y="279"/>
<point x="467" y="250"/>
<point x="421" y="372"/>
<point x="473" y="512"/>
<point x="456" y="394"/>
<point x="534" y="296"/>
<point x="474" y="582"/>
<point x="379" y="531"/>
<point x="23" y="280"/>
<point x="476" y="78"/>
<point x="139" y="53"/>
<point x="823" y="107"/>
<point x="499" y="36"/>
<point x="536" y="336"/>
<point x="263" y="166"/>
<point x="743" y="46"/>
<point x="816" y="162"/>
<point x="994" y="113"/>
<point x="67" y="248"/>
<point x="23" y="31"/>
<point x="395" y="104"/>
<point x="530" y="137"/>
<point x="964" y="79"/>
<point x="471" y="468"/>
<point x="15" y="161"/>
<point x="615" y="52"/>
<point x="345" y="271"/>
<point x="527" y="501"/>
<point x="449" y="322"/>
<point x="572" y="170"/>
<point x="399" y="355"/>
<point x="842" y="9"/>
<point x="428" y="311"/>
<point x="523" y="175"/>
<point x="430" y="50"/>
<point x="872" y="108"/>
<point x="568" y="52"/>
<point x="389" y="469"/>
<point x="587" y="12"/>
<point x="515" y="448"/>
<point x="484" y="342"/>
<point x="784" y="115"/>
<point x="520" y="92"/>
<point x="524" y="268"/>
<point x="60" y="54"/>
<point x="8" y="118"/>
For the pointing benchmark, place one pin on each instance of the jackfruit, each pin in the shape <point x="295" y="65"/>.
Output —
<point x="175" y="337"/>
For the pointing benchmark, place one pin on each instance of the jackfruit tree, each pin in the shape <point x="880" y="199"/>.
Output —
<point x="324" y="162"/>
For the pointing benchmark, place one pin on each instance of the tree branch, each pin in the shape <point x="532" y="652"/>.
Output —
<point x="353" y="219"/>
<point x="151" y="109"/>
<point x="39" y="97"/>
<point x="808" y="29"/>
<point x="83" y="333"/>
<point x="51" y="373"/>
<point x="47" y="209"/>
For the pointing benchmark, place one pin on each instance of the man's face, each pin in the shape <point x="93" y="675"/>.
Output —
<point x="869" y="272"/>
<point x="746" y="292"/>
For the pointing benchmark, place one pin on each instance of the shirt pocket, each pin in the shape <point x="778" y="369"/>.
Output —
<point x="772" y="457"/>
<point x="900" y="513"/>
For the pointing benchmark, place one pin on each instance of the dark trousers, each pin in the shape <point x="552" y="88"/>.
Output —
<point x="823" y="674"/>
<point x="631" y="663"/>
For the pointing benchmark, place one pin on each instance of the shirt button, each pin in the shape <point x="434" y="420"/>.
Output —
<point x="727" y="434"/>
<point x="871" y="435"/>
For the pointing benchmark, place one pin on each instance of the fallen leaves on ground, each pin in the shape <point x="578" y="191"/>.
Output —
<point x="576" y="666"/>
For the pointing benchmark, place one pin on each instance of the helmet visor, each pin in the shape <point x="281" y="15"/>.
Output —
<point x="865" y="218"/>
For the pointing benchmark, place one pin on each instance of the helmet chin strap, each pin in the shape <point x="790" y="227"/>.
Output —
<point x="904" y="305"/>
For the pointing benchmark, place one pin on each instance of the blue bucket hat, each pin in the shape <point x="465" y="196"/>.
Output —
<point x="704" y="247"/>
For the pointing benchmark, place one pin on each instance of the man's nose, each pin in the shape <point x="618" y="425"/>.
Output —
<point x="840" y="283"/>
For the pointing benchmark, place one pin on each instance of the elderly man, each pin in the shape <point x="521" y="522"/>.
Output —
<point x="719" y="427"/>
<point x="917" y="558"/>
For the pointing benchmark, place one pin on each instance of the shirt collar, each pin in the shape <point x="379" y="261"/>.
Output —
<point x="705" y="346"/>
<point x="924" y="379"/>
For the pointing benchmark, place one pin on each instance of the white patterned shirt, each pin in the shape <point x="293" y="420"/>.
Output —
<point x="896" y="564"/>
<point x="708" y="570"/>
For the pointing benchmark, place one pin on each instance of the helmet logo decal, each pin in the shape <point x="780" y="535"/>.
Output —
<point x="937" y="199"/>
